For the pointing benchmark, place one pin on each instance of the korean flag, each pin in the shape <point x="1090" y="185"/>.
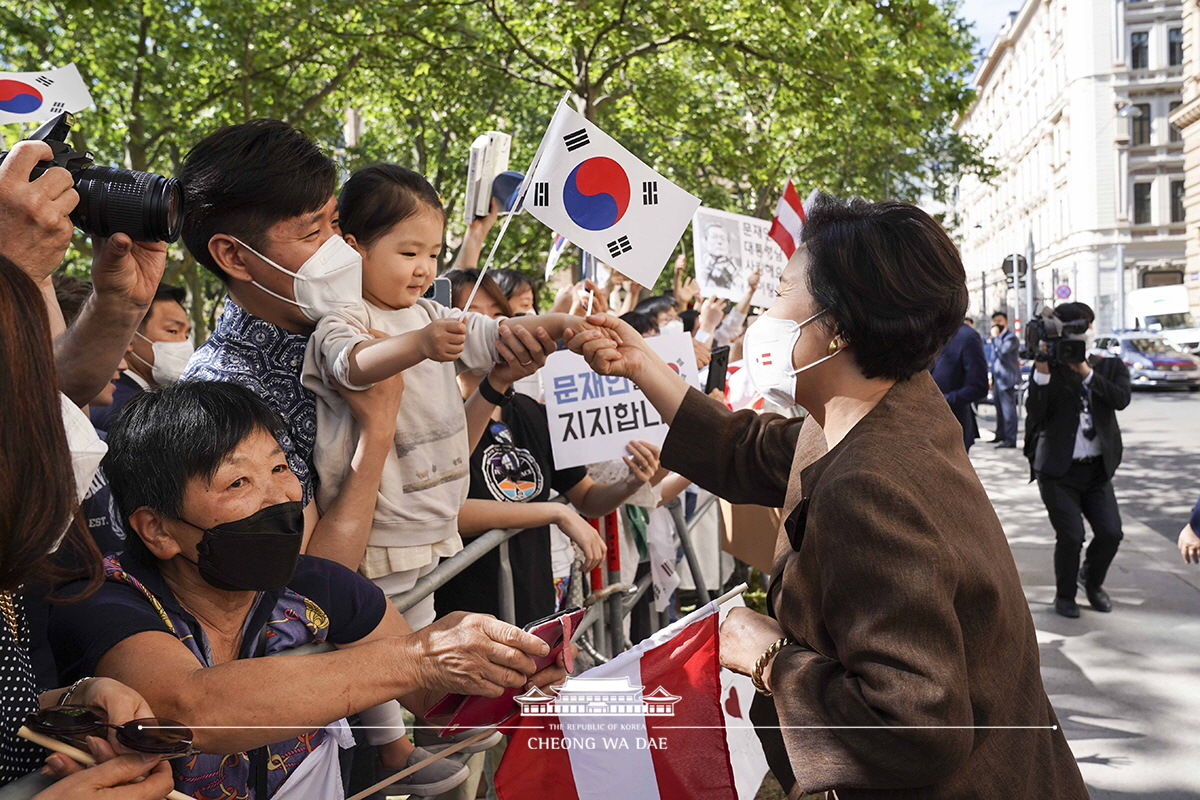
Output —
<point x="601" y="197"/>
<point x="38" y="96"/>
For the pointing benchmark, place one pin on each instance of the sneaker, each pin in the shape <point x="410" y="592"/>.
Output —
<point x="438" y="777"/>
<point x="436" y="744"/>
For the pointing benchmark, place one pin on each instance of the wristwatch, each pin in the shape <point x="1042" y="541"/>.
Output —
<point x="489" y="393"/>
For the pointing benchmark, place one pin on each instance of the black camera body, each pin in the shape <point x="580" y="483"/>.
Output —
<point x="1064" y="340"/>
<point x="147" y="207"/>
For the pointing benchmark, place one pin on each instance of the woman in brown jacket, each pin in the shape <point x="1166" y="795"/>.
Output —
<point x="900" y="658"/>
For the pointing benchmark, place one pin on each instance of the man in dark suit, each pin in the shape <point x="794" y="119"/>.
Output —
<point x="1073" y="443"/>
<point x="961" y="373"/>
<point x="1006" y="376"/>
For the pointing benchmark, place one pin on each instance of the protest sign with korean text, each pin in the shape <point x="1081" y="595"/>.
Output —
<point x="728" y="247"/>
<point x="593" y="417"/>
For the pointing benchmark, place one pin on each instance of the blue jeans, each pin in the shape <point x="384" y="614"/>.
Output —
<point x="1006" y="414"/>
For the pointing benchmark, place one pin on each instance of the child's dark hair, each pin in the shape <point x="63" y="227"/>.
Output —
<point x="642" y="323"/>
<point x="377" y="197"/>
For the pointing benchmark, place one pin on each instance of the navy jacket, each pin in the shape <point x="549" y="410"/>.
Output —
<point x="960" y="371"/>
<point x="126" y="389"/>
<point x="1006" y="361"/>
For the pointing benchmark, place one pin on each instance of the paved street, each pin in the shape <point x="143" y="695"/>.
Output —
<point x="1126" y="685"/>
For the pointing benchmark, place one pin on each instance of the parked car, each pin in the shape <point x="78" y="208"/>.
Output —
<point x="1153" y="361"/>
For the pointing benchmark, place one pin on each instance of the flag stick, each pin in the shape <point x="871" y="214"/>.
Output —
<point x="732" y="593"/>
<point x="517" y="206"/>
<point x="449" y="751"/>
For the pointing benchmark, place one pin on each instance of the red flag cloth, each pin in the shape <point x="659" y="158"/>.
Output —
<point x="789" y="219"/>
<point x="648" y="725"/>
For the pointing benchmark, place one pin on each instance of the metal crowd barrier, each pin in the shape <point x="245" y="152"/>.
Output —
<point x="601" y="631"/>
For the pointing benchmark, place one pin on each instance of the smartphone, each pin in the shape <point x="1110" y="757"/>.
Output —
<point x="439" y="292"/>
<point x="717" y="369"/>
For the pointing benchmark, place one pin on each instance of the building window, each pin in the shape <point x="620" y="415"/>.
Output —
<point x="1175" y="47"/>
<point x="1139" y="126"/>
<point x="1177" y="211"/>
<point x="1141" y="203"/>
<point x="1176" y="134"/>
<point x="1139" y="50"/>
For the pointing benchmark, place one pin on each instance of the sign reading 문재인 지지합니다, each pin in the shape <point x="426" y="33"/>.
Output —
<point x="728" y="247"/>
<point x="593" y="417"/>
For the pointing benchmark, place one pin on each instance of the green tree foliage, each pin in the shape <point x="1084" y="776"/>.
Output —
<point x="729" y="98"/>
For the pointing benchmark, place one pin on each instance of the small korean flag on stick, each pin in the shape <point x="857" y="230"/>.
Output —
<point x="603" y="198"/>
<point x="38" y="96"/>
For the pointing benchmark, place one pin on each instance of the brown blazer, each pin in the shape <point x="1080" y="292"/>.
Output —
<point x="895" y="581"/>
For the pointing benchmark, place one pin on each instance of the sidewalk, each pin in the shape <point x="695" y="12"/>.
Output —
<point x="1125" y="685"/>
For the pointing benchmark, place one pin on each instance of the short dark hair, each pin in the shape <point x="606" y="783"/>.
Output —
<point x="1000" y="314"/>
<point x="164" y="437"/>
<point x="71" y="293"/>
<point x="165" y="292"/>
<point x="377" y="197"/>
<point x="512" y="281"/>
<point x="463" y="279"/>
<point x="653" y="306"/>
<point x="642" y="323"/>
<point x="890" y="279"/>
<point x="1069" y="312"/>
<point x="244" y="178"/>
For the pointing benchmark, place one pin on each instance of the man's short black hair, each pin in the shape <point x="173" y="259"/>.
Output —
<point x="1069" y="312"/>
<point x="164" y="437"/>
<point x="1000" y="314"/>
<point x="642" y="323"/>
<point x="72" y="294"/>
<point x="890" y="279"/>
<point x="164" y="292"/>
<point x="244" y="178"/>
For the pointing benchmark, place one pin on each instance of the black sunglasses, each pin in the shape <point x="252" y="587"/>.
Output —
<point x="161" y="737"/>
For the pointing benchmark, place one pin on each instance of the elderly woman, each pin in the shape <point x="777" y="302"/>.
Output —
<point x="900" y="658"/>
<point x="214" y="579"/>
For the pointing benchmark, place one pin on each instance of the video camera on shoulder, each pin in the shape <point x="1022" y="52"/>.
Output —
<point x="1065" y="341"/>
<point x="147" y="207"/>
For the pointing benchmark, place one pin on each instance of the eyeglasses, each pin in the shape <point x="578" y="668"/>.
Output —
<point x="161" y="737"/>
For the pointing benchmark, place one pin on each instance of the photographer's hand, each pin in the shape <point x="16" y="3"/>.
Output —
<point x="35" y="222"/>
<point x="125" y="275"/>
<point x="1083" y="368"/>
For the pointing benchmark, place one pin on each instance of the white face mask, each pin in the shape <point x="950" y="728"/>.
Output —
<point x="768" y="352"/>
<point x="331" y="278"/>
<point x="87" y="450"/>
<point x="674" y="326"/>
<point x="169" y="360"/>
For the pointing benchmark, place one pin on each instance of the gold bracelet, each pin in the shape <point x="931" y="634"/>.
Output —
<point x="762" y="662"/>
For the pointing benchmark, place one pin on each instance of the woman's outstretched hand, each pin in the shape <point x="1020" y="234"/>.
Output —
<point x="611" y="347"/>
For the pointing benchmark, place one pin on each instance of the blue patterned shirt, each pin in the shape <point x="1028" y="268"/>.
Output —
<point x="266" y="359"/>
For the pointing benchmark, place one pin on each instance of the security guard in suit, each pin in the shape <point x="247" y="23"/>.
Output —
<point x="1073" y="443"/>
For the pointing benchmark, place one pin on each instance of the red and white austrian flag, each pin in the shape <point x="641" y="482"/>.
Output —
<point x="790" y="216"/>
<point x="39" y="96"/>
<point x="600" y="196"/>
<point x="648" y="724"/>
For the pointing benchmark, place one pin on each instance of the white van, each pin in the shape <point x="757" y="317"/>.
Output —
<point x="1163" y="310"/>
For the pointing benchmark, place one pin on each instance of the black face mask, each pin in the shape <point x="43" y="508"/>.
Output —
<point x="255" y="554"/>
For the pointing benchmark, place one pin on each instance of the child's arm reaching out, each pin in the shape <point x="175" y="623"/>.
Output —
<point x="374" y="360"/>
<point x="556" y="324"/>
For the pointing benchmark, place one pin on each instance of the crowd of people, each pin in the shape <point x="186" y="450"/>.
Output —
<point x="173" y="516"/>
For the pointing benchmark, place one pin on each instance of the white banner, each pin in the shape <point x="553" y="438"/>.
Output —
<point x="728" y="247"/>
<point x="596" y="193"/>
<point x="593" y="417"/>
<point x="38" y="96"/>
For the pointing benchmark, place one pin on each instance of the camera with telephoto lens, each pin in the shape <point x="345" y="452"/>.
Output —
<point x="147" y="207"/>
<point x="1065" y="342"/>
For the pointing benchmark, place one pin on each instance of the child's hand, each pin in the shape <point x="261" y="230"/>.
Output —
<point x="643" y="461"/>
<point x="443" y="339"/>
